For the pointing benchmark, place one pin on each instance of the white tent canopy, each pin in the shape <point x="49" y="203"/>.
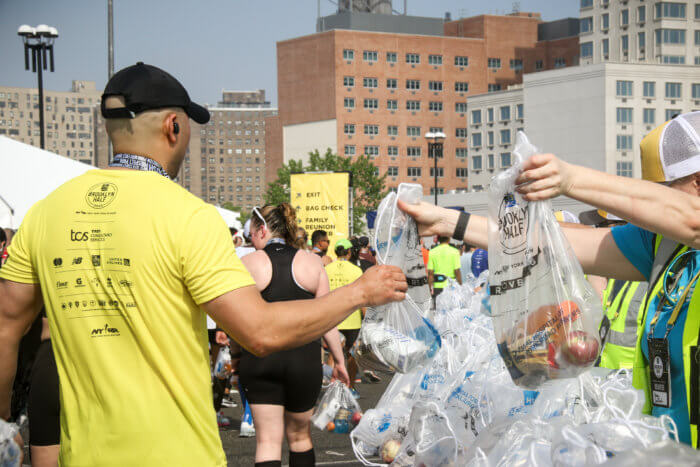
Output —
<point x="28" y="174"/>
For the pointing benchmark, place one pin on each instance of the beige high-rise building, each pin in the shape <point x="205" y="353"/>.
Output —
<point x="70" y="119"/>
<point x="225" y="162"/>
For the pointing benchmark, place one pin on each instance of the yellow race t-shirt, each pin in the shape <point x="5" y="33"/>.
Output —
<point x="124" y="259"/>
<point x="342" y="273"/>
<point x="444" y="259"/>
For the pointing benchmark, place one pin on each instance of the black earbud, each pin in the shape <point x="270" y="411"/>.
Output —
<point x="176" y="128"/>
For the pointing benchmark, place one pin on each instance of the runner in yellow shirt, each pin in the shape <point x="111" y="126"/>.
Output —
<point x="343" y="272"/>
<point x="125" y="262"/>
<point x="443" y="263"/>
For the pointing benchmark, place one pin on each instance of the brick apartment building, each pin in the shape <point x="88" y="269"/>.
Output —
<point x="377" y="92"/>
<point x="225" y="161"/>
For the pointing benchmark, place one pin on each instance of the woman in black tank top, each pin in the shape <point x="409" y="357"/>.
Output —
<point x="282" y="388"/>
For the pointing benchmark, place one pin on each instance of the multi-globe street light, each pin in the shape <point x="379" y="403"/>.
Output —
<point x="40" y="41"/>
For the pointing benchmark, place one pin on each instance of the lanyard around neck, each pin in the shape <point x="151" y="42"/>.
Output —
<point x="136" y="162"/>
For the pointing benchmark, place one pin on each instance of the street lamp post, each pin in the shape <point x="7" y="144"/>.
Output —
<point x="435" y="141"/>
<point x="40" y="41"/>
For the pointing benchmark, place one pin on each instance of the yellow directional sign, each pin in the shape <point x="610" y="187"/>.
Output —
<point x="321" y="201"/>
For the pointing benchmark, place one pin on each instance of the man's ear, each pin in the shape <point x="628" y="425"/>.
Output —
<point x="169" y="124"/>
<point x="696" y="183"/>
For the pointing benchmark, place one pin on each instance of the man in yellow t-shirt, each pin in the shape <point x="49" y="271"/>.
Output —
<point x="443" y="263"/>
<point x="340" y="273"/>
<point x="125" y="262"/>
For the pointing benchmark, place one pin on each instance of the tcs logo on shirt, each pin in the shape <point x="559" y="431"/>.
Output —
<point x="78" y="236"/>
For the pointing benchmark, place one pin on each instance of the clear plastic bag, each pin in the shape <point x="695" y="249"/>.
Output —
<point x="10" y="453"/>
<point x="545" y="312"/>
<point x="431" y="439"/>
<point x="223" y="368"/>
<point x="338" y="411"/>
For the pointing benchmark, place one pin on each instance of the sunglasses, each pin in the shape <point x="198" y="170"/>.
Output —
<point x="256" y="211"/>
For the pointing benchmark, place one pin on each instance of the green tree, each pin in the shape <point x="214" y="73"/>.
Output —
<point x="245" y="213"/>
<point x="368" y="187"/>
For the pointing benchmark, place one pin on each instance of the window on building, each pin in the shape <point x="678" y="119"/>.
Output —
<point x="624" y="17"/>
<point x="586" y="4"/>
<point x="348" y="81"/>
<point x="539" y="65"/>
<point x="520" y="111"/>
<point x="434" y="106"/>
<point x="462" y="172"/>
<point x="461" y="152"/>
<point x="624" y="115"/>
<point x="505" y="113"/>
<point x="349" y="128"/>
<point x="649" y="116"/>
<point x="494" y="63"/>
<point x="461" y="107"/>
<point x="349" y="150"/>
<point x="670" y="36"/>
<point x="440" y="172"/>
<point x="392" y="171"/>
<point x="435" y="85"/>
<point x="392" y="130"/>
<point x="461" y="61"/>
<point x="391" y="83"/>
<point x="649" y="89"/>
<point x="697" y="60"/>
<point x="461" y="86"/>
<point x="696" y="90"/>
<point x="625" y="44"/>
<point x="369" y="82"/>
<point x="641" y="41"/>
<point x="412" y="58"/>
<point x="673" y="90"/>
<point x="476" y="140"/>
<point x="413" y="105"/>
<point x="586" y="25"/>
<point x="476" y="117"/>
<point x="489" y="115"/>
<point x="559" y="62"/>
<point x="371" y="130"/>
<point x="670" y="10"/>
<point x="624" y="169"/>
<point x="490" y="161"/>
<point x="372" y="151"/>
<point x="505" y="160"/>
<point x="624" y="142"/>
<point x="586" y="49"/>
<point x="489" y="138"/>
<point x="413" y="151"/>
<point x="371" y="104"/>
<point x="392" y="104"/>
<point x="673" y="59"/>
<point x="505" y="136"/>
<point x="435" y="59"/>
<point x="392" y="151"/>
<point x="476" y="162"/>
<point x="436" y="129"/>
<point x="672" y="113"/>
<point x="623" y="88"/>
<point x="697" y="36"/>
<point x="494" y="87"/>
<point x="516" y="64"/>
<point x="460" y="132"/>
<point x="369" y="55"/>
<point x="413" y="171"/>
<point x="348" y="54"/>
<point x="349" y="103"/>
<point x="641" y="14"/>
<point x="605" y="22"/>
<point x="391" y="57"/>
<point x="413" y="131"/>
<point x="605" y="47"/>
<point x="697" y="11"/>
<point x="413" y="84"/>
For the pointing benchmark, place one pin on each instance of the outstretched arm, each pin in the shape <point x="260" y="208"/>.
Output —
<point x="263" y="327"/>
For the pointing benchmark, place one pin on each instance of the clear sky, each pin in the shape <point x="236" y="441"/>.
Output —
<point x="209" y="45"/>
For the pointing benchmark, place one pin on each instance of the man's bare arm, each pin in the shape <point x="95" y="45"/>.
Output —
<point x="264" y="328"/>
<point x="19" y="305"/>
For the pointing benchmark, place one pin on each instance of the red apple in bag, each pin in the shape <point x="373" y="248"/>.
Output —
<point x="580" y="349"/>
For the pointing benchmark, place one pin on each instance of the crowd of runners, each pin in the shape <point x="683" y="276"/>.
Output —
<point x="111" y="284"/>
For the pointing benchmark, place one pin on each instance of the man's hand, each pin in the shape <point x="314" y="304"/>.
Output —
<point x="341" y="373"/>
<point x="431" y="219"/>
<point x="544" y="176"/>
<point x="380" y="285"/>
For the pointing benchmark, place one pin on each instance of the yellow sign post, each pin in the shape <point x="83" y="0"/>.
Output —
<point x="322" y="202"/>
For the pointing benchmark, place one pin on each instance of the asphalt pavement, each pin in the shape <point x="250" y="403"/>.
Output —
<point x="331" y="449"/>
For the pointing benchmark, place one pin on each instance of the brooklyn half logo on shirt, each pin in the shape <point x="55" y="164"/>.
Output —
<point x="101" y="195"/>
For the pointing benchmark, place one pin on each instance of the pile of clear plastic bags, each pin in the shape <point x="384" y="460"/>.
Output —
<point x="10" y="453"/>
<point x="474" y="403"/>
<point x="338" y="411"/>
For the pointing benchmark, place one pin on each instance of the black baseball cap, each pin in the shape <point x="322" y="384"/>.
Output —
<point x="146" y="87"/>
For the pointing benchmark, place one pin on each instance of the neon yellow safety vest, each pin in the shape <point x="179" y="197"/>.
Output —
<point x="665" y="251"/>
<point x="623" y="311"/>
